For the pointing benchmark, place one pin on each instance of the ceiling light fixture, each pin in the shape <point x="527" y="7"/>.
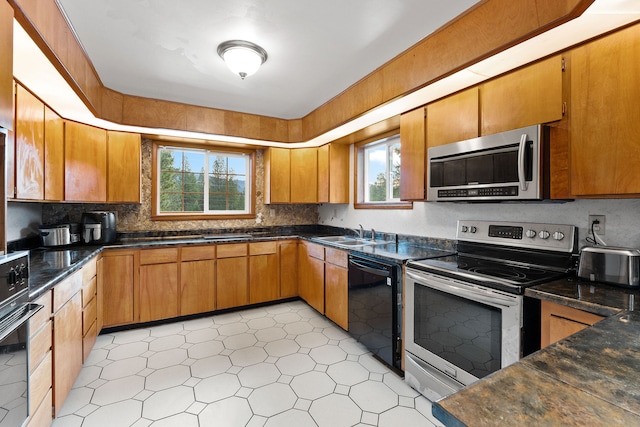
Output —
<point x="242" y="57"/>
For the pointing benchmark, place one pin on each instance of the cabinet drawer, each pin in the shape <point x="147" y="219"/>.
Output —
<point x="230" y="251"/>
<point x="197" y="253"/>
<point x="263" y="248"/>
<point x="42" y="316"/>
<point x="89" y="315"/>
<point x="89" y="270"/>
<point x="337" y="257"/>
<point x="40" y="382"/>
<point x="89" y="291"/>
<point x="64" y="290"/>
<point x="89" y="340"/>
<point x="39" y="346"/>
<point x="158" y="256"/>
<point x="315" y="251"/>
<point x="42" y="415"/>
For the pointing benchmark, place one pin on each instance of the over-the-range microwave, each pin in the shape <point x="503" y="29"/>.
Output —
<point x="512" y="165"/>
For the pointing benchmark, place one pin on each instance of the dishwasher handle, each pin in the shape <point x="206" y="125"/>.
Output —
<point x="369" y="268"/>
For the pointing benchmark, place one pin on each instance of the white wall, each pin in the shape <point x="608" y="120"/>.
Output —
<point x="23" y="220"/>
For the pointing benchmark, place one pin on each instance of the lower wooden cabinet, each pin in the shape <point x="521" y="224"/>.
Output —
<point x="559" y="321"/>
<point x="264" y="284"/>
<point x="311" y="274"/>
<point x="40" y="364"/>
<point x="119" y="280"/>
<point x="197" y="279"/>
<point x="336" y="286"/>
<point x="158" y="284"/>
<point x="288" y="259"/>
<point x="232" y="276"/>
<point x="89" y="307"/>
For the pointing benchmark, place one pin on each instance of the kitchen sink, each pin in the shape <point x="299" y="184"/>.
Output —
<point x="350" y="241"/>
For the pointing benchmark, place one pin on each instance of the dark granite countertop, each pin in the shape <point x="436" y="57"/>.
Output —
<point x="590" y="378"/>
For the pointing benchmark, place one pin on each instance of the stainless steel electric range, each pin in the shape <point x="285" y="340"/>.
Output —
<point x="464" y="313"/>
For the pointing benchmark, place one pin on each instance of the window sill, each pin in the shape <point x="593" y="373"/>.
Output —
<point x="199" y="216"/>
<point x="400" y="205"/>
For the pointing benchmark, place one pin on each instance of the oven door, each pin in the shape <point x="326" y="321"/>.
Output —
<point x="457" y="332"/>
<point x="14" y="369"/>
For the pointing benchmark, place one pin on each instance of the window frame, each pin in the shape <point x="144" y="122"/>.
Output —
<point x="155" y="182"/>
<point x="359" y="175"/>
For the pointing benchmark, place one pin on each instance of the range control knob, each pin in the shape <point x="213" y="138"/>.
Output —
<point x="531" y="233"/>
<point x="558" y="235"/>
<point x="473" y="229"/>
<point x="464" y="228"/>
<point x="544" y="234"/>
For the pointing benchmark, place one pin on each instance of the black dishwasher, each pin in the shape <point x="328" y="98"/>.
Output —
<point x="374" y="307"/>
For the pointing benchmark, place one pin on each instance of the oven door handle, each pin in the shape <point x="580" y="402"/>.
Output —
<point x="522" y="148"/>
<point x="474" y="294"/>
<point x="369" y="268"/>
<point x="14" y="321"/>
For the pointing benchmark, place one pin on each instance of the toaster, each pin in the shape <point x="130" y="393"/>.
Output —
<point x="618" y="266"/>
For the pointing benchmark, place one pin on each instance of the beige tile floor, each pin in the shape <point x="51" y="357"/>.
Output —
<point x="280" y="365"/>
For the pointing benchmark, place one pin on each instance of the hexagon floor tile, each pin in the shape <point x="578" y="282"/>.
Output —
<point x="279" y="365"/>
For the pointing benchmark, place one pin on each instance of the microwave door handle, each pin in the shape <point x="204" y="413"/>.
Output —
<point x="522" y="179"/>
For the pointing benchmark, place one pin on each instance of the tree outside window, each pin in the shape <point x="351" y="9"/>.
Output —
<point x="382" y="171"/>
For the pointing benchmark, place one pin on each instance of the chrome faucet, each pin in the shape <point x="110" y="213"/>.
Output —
<point x="373" y="234"/>
<point x="361" y="232"/>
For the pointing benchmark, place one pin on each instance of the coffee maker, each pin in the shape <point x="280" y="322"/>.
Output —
<point x="98" y="227"/>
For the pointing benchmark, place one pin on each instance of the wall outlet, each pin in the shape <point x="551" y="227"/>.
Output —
<point x="599" y="227"/>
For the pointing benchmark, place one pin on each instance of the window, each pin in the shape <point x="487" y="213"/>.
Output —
<point x="202" y="182"/>
<point x="379" y="173"/>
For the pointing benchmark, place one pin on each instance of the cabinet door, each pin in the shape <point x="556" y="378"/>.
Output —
<point x="99" y="294"/>
<point x="333" y="173"/>
<point x="123" y="167"/>
<point x="232" y="288"/>
<point x="263" y="278"/>
<point x="6" y="71"/>
<point x="559" y="321"/>
<point x="521" y="98"/>
<point x="158" y="291"/>
<point x="197" y="287"/>
<point x="118" y="277"/>
<point x="67" y="349"/>
<point x="53" y="156"/>
<point x="454" y="118"/>
<point x="277" y="179"/>
<point x="336" y="287"/>
<point x="311" y="283"/>
<point x="288" y="252"/>
<point x="29" y="146"/>
<point x="604" y="115"/>
<point x="85" y="163"/>
<point x="413" y="152"/>
<point x="304" y="175"/>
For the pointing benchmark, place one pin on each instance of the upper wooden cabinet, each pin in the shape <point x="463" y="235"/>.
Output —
<point x="85" y="163"/>
<point x="454" y="118"/>
<point x="29" y="152"/>
<point x="413" y="152"/>
<point x="123" y="167"/>
<point x="604" y="116"/>
<point x="291" y="175"/>
<point x="333" y="173"/>
<point x="6" y="71"/>
<point x="521" y="98"/>
<point x="53" y="156"/>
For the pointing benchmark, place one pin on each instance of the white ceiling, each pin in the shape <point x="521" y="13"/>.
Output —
<point x="166" y="49"/>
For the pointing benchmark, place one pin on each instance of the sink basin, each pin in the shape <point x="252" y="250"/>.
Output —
<point x="349" y="241"/>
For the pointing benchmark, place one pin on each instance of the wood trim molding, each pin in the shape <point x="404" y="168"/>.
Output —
<point x="490" y="27"/>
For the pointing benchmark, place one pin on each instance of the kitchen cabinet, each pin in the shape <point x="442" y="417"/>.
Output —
<point x="232" y="276"/>
<point x="413" y="152"/>
<point x="90" y="300"/>
<point x="311" y="274"/>
<point x="524" y="97"/>
<point x="264" y="272"/>
<point x="100" y="294"/>
<point x="53" y="156"/>
<point x="85" y="163"/>
<point x="304" y="175"/>
<point x="454" y="118"/>
<point x="67" y="337"/>
<point x="40" y="364"/>
<point x="29" y="151"/>
<point x="123" y="167"/>
<point x="336" y="286"/>
<point x="288" y="259"/>
<point x="603" y="116"/>
<point x="333" y="173"/>
<point x="197" y="279"/>
<point x="158" y="284"/>
<point x="560" y="321"/>
<point x="6" y="71"/>
<point x="277" y="179"/>
<point x="119" y="282"/>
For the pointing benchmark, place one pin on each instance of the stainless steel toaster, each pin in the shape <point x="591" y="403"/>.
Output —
<point x="618" y="266"/>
